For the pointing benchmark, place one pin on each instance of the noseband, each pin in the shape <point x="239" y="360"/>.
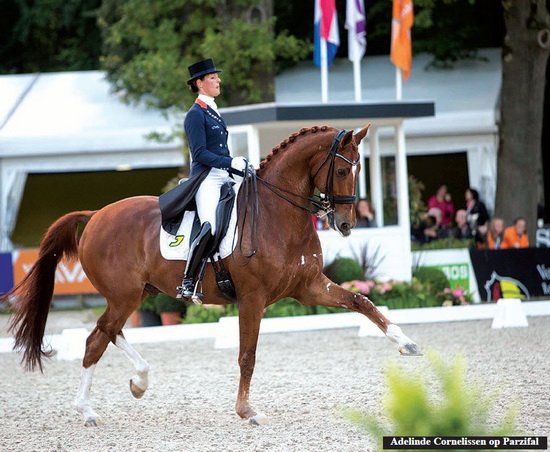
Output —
<point x="326" y="201"/>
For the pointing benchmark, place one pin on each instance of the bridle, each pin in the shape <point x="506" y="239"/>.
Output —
<point x="326" y="201"/>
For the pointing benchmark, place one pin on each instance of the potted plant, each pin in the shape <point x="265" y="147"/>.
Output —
<point x="149" y="314"/>
<point x="170" y="309"/>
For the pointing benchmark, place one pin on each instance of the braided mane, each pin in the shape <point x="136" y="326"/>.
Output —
<point x="283" y="144"/>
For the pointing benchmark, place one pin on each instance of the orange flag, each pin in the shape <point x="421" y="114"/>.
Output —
<point x="402" y="21"/>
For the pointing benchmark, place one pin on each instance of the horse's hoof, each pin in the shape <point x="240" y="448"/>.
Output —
<point x="410" y="350"/>
<point x="259" y="419"/>
<point x="91" y="422"/>
<point x="136" y="391"/>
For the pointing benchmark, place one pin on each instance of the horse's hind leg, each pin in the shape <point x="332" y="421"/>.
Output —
<point x="108" y="329"/>
<point x="95" y="347"/>
<point x="139" y="382"/>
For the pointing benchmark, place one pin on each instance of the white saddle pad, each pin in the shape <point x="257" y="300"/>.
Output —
<point x="176" y="247"/>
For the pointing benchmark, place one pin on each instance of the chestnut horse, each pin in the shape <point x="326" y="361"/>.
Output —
<point x="119" y="251"/>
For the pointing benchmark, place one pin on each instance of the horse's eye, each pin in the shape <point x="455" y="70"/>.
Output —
<point x="342" y="172"/>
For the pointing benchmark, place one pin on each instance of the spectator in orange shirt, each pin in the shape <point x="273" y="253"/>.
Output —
<point x="495" y="236"/>
<point x="516" y="236"/>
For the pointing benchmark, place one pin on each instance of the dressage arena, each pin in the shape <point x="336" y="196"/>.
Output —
<point x="302" y="381"/>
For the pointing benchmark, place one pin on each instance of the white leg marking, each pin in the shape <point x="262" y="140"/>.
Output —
<point x="397" y="336"/>
<point x="141" y="366"/>
<point x="82" y="401"/>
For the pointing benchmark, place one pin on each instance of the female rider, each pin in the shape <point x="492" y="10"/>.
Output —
<point x="207" y="137"/>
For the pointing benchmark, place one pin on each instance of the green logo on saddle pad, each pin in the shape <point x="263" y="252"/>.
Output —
<point x="177" y="241"/>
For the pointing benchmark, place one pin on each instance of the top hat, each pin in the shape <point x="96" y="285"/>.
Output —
<point x="201" y="68"/>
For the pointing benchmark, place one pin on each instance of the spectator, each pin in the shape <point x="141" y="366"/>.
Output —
<point x="429" y="227"/>
<point x="495" y="235"/>
<point x="462" y="229"/>
<point x="365" y="214"/>
<point x="442" y="201"/>
<point x="477" y="214"/>
<point x="516" y="236"/>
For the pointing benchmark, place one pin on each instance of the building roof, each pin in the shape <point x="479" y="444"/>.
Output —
<point x="68" y="112"/>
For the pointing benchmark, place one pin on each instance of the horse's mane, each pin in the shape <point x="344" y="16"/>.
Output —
<point x="283" y="144"/>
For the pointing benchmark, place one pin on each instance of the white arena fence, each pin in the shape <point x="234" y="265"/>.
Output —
<point x="70" y="343"/>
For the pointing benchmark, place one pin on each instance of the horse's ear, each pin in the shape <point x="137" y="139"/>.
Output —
<point x="347" y="139"/>
<point x="361" y="134"/>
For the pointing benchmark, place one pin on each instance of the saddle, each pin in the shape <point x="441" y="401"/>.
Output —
<point x="181" y="199"/>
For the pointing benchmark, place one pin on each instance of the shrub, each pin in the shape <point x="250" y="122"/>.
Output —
<point x="166" y="303"/>
<point x="395" y="294"/>
<point x="460" y="407"/>
<point x="442" y="244"/>
<point x="148" y="305"/>
<point x="344" y="269"/>
<point x="433" y="277"/>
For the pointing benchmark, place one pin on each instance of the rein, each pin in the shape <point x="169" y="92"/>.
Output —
<point x="325" y="201"/>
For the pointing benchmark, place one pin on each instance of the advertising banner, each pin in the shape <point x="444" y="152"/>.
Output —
<point x="512" y="273"/>
<point x="69" y="276"/>
<point x="6" y="273"/>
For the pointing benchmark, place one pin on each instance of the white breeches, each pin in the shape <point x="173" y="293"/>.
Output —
<point x="208" y="196"/>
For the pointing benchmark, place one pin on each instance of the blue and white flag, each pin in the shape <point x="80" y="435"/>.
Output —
<point x="326" y="27"/>
<point x="356" y="24"/>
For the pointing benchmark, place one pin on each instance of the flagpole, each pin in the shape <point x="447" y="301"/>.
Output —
<point x="357" y="79"/>
<point x="398" y="83"/>
<point x="324" y="71"/>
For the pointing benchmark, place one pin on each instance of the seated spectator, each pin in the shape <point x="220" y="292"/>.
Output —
<point x="365" y="214"/>
<point x="429" y="228"/>
<point x="495" y="235"/>
<point x="516" y="236"/>
<point x="462" y="229"/>
<point x="442" y="201"/>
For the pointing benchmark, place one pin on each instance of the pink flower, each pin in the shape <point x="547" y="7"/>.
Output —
<point x="458" y="293"/>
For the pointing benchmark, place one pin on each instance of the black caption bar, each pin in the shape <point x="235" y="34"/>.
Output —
<point x="465" y="442"/>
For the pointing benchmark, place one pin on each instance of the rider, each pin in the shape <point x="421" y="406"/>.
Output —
<point x="207" y="137"/>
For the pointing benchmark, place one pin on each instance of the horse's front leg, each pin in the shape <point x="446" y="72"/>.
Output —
<point x="250" y="316"/>
<point x="324" y="292"/>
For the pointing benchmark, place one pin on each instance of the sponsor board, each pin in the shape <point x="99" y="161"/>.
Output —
<point x="69" y="275"/>
<point x="521" y="273"/>
<point x="6" y="273"/>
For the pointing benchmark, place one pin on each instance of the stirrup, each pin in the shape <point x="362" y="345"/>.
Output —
<point x="187" y="290"/>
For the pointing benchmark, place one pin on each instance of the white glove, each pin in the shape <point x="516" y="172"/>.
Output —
<point x="239" y="164"/>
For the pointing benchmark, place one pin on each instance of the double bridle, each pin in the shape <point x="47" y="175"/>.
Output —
<point x="326" y="201"/>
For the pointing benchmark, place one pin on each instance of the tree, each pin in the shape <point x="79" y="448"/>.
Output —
<point x="524" y="63"/>
<point x="49" y="35"/>
<point x="148" y="46"/>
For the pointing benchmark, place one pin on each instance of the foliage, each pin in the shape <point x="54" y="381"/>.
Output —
<point x="433" y="277"/>
<point x="454" y="297"/>
<point x="460" y="406"/>
<point x="395" y="294"/>
<point x="209" y="313"/>
<point x="416" y="204"/>
<point x="49" y="35"/>
<point x="166" y="303"/>
<point x="148" y="305"/>
<point x="287" y="307"/>
<point x="149" y="45"/>
<point x="369" y="261"/>
<point x="343" y="269"/>
<point x="442" y="244"/>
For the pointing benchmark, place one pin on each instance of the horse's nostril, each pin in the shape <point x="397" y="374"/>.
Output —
<point x="345" y="226"/>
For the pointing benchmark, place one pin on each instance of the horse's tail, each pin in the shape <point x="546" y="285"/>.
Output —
<point x="33" y="295"/>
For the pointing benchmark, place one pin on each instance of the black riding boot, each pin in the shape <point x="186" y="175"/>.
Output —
<point x="194" y="263"/>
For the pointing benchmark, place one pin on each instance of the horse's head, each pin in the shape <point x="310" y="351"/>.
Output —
<point x="336" y="178"/>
